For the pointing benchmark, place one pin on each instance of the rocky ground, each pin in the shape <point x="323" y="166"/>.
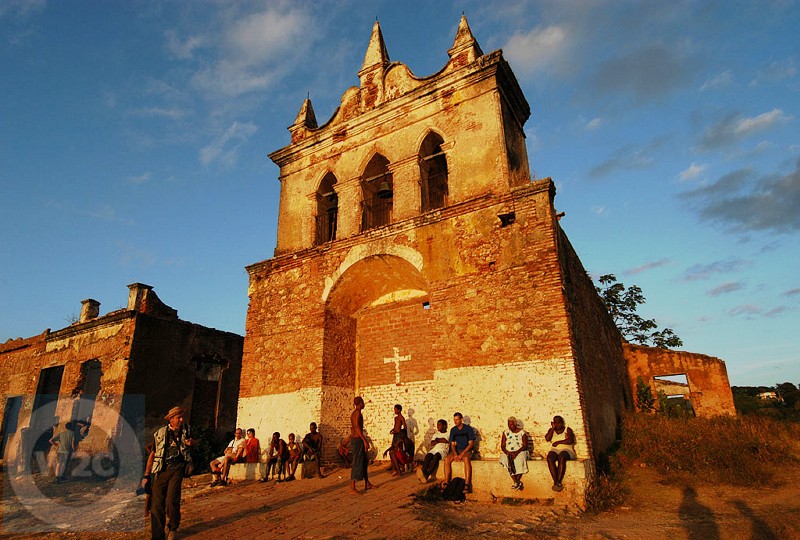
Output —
<point x="656" y="507"/>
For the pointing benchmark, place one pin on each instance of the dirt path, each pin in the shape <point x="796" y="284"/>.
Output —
<point x="655" y="508"/>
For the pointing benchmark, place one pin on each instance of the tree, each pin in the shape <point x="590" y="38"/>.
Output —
<point x="622" y="304"/>
<point x="788" y="393"/>
<point x="644" y="396"/>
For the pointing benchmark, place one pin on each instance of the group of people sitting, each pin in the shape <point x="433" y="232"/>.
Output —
<point x="515" y="444"/>
<point x="458" y="445"/>
<point x="282" y="457"/>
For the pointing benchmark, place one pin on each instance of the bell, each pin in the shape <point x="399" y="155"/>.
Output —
<point x="384" y="190"/>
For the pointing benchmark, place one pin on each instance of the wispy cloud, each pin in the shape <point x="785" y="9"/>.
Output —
<point x="537" y="49"/>
<point x="140" y="179"/>
<point x="693" y="171"/>
<point x="723" y="79"/>
<point x="183" y="48"/>
<point x="130" y="254"/>
<point x="593" y="124"/>
<point x="254" y="51"/>
<point x="743" y="201"/>
<point x="649" y="72"/>
<point x="626" y="158"/>
<point x="726" y="288"/>
<point x="225" y="148"/>
<point x="21" y="9"/>
<point x="791" y="292"/>
<point x="700" y="272"/>
<point x="775" y="71"/>
<point x="648" y="266"/>
<point x="172" y="113"/>
<point x="734" y="127"/>
<point x="752" y="311"/>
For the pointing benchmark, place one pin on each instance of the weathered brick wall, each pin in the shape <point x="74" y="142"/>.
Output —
<point x="106" y="340"/>
<point x="495" y="302"/>
<point x="162" y="368"/>
<point x="598" y="352"/>
<point x="709" y="388"/>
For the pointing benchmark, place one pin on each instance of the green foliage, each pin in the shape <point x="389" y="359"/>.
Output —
<point x="728" y="450"/>
<point x="622" y="304"/>
<point x="788" y="393"/>
<point x="203" y="449"/>
<point x="785" y="407"/>
<point x="645" y="401"/>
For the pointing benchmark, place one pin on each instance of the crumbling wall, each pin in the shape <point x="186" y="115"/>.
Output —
<point x="709" y="388"/>
<point x="598" y="352"/>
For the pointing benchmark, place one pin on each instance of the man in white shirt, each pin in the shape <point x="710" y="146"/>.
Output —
<point x="233" y="454"/>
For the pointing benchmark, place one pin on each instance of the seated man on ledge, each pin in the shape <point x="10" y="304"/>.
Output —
<point x="562" y="440"/>
<point x="462" y="441"/>
<point x="312" y="447"/>
<point x="234" y="453"/>
<point x="438" y="450"/>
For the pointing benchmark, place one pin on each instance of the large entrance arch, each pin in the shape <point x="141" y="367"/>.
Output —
<point x="376" y="325"/>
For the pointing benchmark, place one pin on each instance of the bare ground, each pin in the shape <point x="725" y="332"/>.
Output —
<point x="656" y="507"/>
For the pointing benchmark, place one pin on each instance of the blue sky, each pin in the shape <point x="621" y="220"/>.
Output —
<point x="134" y="140"/>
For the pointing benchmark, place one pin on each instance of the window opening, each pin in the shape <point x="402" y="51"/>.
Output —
<point x="377" y="189"/>
<point x="433" y="173"/>
<point x="86" y="389"/>
<point x="327" y="211"/>
<point x="674" y="395"/>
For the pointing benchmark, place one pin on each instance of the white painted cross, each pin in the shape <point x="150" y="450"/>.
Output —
<point x="397" y="359"/>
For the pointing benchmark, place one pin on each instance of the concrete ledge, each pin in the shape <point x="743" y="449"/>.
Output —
<point x="491" y="481"/>
<point x="257" y="471"/>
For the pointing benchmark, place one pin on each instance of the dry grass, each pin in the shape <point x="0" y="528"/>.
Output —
<point x="737" y="451"/>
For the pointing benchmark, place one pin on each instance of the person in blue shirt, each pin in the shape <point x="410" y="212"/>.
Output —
<point x="462" y="442"/>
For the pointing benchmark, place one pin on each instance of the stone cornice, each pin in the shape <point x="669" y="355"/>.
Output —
<point x="485" y="67"/>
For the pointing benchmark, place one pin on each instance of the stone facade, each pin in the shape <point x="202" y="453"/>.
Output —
<point x="114" y="360"/>
<point x="708" y="387"/>
<point x="417" y="263"/>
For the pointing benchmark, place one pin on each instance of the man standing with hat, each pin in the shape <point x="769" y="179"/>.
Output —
<point x="164" y="470"/>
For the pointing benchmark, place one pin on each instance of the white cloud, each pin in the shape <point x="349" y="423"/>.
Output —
<point x="734" y="127"/>
<point x="693" y="171"/>
<point x="183" y="48"/>
<point x="21" y="8"/>
<point x="225" y="148"/>
<point x="746" y="126"/>
<point x="537" y="49"/>
<point x="140" y="179"/>
<point x="648" y="266"/>
<point x="775" y="71"/>
<point x="723" y="79"/>
<point x="173" y="113"/>
<point x="256" y="50"/>
<point x="594" y="123"/>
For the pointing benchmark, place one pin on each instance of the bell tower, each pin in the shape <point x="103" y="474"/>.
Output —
<point x="418" y="263"/>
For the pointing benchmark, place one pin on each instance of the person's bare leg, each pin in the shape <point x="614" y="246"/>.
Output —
<point x="448" y="468"/>
<point x="467" y="471"/>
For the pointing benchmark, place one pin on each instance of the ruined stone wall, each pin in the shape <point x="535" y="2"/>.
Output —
<point x="709" y="388"/>
<point x="163" y="368"/>
<point x="598" y="353"/>
<point x="106" y="340"/>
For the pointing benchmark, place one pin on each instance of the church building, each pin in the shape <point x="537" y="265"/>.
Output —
<point x="418" y="263"/>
